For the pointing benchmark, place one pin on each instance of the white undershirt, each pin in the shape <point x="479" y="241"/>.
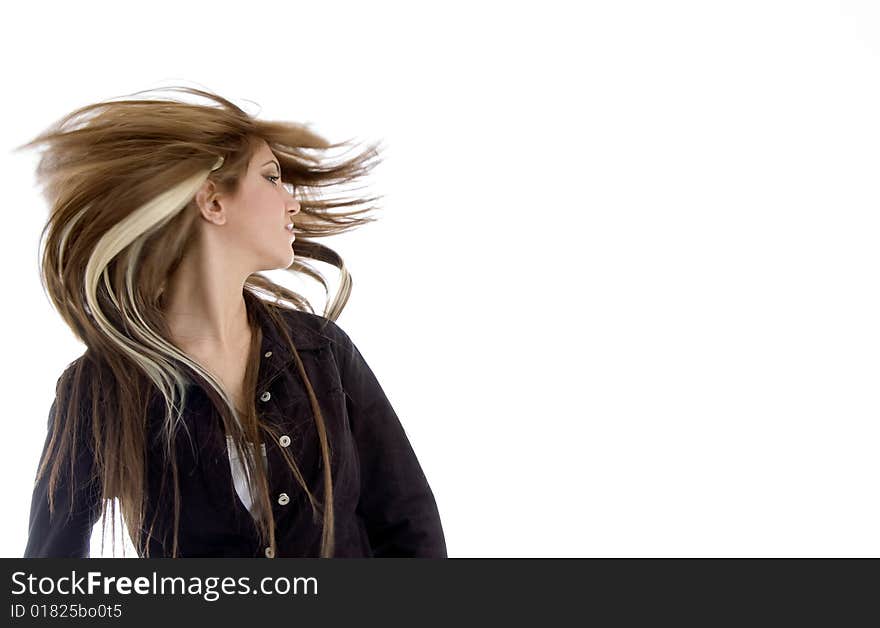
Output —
<point x="239" y="473"/>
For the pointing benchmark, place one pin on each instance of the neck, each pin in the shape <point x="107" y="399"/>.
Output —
<point x="206" y="311"/>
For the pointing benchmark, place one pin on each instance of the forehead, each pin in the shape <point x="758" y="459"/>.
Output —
<point x="263" y="153"/>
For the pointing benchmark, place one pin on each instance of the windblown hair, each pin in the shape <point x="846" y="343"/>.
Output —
<point x="120" y="178"/>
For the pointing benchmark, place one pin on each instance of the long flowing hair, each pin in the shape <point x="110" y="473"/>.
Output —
<point x="120" y="177"/>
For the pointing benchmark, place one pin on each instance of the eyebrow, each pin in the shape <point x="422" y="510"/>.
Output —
<point x="271" y="161"/>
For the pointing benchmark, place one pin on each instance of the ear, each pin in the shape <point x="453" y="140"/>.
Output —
<point x="208" y="202"/>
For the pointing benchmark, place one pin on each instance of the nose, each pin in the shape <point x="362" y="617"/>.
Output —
<point x="293" y="206"/>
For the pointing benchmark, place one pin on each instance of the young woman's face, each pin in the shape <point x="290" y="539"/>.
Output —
<point x="256" y="217"/>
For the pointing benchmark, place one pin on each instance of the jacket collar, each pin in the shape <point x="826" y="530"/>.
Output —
<point x="275" y="355"/>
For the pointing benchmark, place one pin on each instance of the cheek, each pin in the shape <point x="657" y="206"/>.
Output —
<point x="258" y="216"/>
<point x="258" y="211"/>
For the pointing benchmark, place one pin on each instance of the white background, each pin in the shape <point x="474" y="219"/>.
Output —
<point x="623" y="288"/>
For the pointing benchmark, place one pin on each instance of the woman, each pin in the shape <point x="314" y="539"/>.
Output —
<point x="163" y="212"/>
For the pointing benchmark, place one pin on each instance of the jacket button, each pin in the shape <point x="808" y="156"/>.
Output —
<point x="268" y="354"/>
<point x="265" y="396"/>
<point x="269" y="552"/>
<point x="283" y="499"/>
<point x="284" y="440"/>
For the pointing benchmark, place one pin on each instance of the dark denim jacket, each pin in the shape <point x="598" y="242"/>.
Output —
<point x="383" y="503"/>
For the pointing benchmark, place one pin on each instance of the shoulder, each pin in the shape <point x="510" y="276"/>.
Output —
<point x="76" y="373"/>
<point x="74" y="384"/>
<point x="309" y="330"/>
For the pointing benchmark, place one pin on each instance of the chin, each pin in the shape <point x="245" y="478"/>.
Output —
<point x="289" y="259"/>
<point x="278" y="262"/>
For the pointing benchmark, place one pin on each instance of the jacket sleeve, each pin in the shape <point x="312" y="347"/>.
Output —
<point x="66" y="533"/>
<point x="396" y="502"/>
